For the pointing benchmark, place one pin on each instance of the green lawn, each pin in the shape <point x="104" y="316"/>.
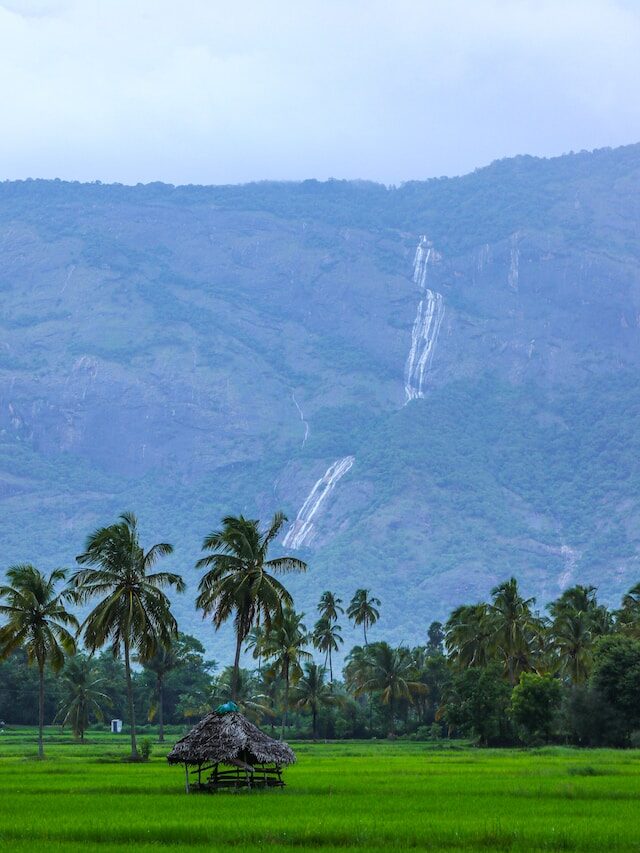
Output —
<point x="354" y="795"/>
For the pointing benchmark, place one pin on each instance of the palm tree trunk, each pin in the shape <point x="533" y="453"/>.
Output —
<point x="236" y="668"/>
<point x="330" y="668"/>
<point x="364" y="628"/>
<point x="314" y="715"/>
<point x="160" y="709"/>
<point x="41" y="711"/>
<point x="285" y="715"/>
<point x="132" y="712"/>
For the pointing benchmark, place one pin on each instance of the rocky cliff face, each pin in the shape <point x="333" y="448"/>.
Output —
<point x="438" y="383"/>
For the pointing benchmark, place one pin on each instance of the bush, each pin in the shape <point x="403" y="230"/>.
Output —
<point x="146" y="747"/>
<point x="535" y="702"/>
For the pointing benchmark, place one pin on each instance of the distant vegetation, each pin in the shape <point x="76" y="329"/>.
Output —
<point x="498" y="672"/>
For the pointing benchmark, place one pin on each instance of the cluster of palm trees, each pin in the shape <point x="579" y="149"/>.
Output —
<point x="130" y="612"/>
<point x="508" y="629"/>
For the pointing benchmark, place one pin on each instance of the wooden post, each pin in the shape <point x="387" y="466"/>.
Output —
<point x="199" y="772"/>
<point x="186" y="777"/>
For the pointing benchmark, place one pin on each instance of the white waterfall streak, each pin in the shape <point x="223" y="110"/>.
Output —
<point x="514" y="263"/>
<point x="302" y="530"/>
<point x="426" y="326"/>
<point x="302" y="418"/>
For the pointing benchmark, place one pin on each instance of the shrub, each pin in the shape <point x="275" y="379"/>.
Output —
<point x="146" y="746"/>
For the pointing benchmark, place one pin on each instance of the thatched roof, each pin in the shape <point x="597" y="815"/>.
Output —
<point x="230" y="736"/>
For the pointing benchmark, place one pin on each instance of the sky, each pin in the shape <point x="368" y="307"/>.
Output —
<point x="206" y="91"/>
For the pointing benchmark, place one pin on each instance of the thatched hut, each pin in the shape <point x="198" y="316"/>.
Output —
<point x="236" y="752"/>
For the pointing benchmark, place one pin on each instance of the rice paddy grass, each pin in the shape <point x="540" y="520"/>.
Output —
<point x="354" y="795"/>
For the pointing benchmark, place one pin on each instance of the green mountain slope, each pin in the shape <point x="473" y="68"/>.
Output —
<point x="192" y="351"/>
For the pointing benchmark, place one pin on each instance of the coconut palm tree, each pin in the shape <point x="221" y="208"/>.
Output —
<point x="312" y="693"/>
<point x="356" y="673"/>
<point x="239" y="582"/>
<point x="467" y="635"/>
<point x="582" y="599"/>
<point x="253" y="703"/>
<point x="255" y="643"/>
<point x="161" y="663"/>
<point x="628" y="617"/>
<point x="513" y="625"/>
<point x="133" y="614"/>
<point x="285" y="647"/>
<point x="329" y="606"/>
<point x="327" y="638"/>
<point x="38" y="621"/>
<point x="363" y="610"/>
<point x="572" y="638"/>
<point x="391" y="674"/>
<point x="82" y="696"/>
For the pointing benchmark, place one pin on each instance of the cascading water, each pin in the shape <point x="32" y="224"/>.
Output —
<point x="302" y="530"/>
<point x="426" y="326"/>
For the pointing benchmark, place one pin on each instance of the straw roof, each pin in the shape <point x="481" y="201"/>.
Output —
<point x="221" y="737"/>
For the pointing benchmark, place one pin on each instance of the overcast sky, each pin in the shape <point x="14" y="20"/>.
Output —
<point x="220" y="91"/>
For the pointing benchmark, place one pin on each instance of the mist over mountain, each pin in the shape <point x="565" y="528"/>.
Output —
<point x="438" y="383"/>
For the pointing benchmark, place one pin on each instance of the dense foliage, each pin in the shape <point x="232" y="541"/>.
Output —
<point x="498" y="672"/>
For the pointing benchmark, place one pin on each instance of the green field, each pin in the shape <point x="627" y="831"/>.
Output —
<point x="354" y="795"/>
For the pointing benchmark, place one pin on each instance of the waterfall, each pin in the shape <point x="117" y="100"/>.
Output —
<point x="302" y="530"/>
<point x="426" y="326"/>
<point x="302" y="418"/>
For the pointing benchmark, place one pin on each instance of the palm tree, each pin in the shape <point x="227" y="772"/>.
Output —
<point x="356" y="673"/>
<point x="573" y="641"/>
<point x="252" y="702"/>
<point x="312" y="692"/>
<point x="239" y="582"/>
<point x="327" y="638"/>
<point x="82" y="698"/>
<point x="285" y="646"/>
<point x="255" y="643"/>
<point x="329" y="606"/>
<point x="37" y="621"/>
<point x="467" y="635"/>
<point x="161" y="663"/>
<point x="391" y="673"/>
<point x="582" y="599"/>
<point x="363" y="610"/>
<point x="628" y="617"/>
<point x="513" y="625"/>
<point x="133" y="614"/>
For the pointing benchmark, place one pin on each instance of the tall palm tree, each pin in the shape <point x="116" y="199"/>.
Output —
<point x="38" y="621"/>
<point x="356" y="673"/>
<point x="573" y="642"/>
<point x="628" y="617"/>
<point x="239" y="582"/>
<point x="329" y="606"/>
<point x="467" y="635"/>
<point x="82" y="696"/>
<point x="363" y="610"/>
<point x="252" y="702"/>
<point x="285" y="647"/>
<point x="327" y="638"/>
<point x="161" y="663"/>
<point x="513" y="625"/>
<point x="312" y="693"/>
<point x="133" y="614"/>
<point x="582" y="599"/>
<point x="255" y="643"/>
<point x="391" y="673"/>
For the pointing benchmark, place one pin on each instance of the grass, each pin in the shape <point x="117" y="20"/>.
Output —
<point x="359" y="796"/>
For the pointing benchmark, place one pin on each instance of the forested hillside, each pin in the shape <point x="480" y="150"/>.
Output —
<point x="438" y="383"/>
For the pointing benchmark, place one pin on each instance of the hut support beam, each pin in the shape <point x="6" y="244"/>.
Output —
<point x="186" y="777"/>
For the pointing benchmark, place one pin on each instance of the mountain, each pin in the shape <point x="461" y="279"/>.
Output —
<point x="439" y="381"/>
